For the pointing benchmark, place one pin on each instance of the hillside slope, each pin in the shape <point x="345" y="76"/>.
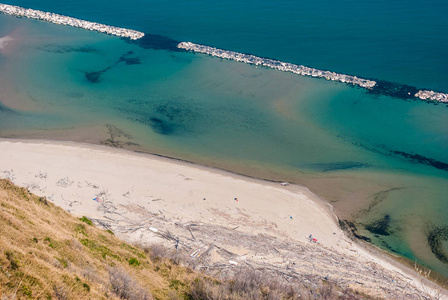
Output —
<point x="47" y="253"/>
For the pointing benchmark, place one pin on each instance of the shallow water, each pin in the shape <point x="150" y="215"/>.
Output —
<point x="379" y="160"/>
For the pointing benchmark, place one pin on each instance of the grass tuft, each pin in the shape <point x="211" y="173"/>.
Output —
<point x="86" y="220"/>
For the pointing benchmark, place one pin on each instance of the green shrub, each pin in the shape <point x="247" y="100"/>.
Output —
<point x="12" y="262"/>
<point x="175" y="284"/>
<point x="134" y="262"/>
<point x="26" y="291"/>
<point x="86" y="220"/>
<point x="80" y="228"/>
<point x="86" y="287"/>
<point x="63" y="262"/>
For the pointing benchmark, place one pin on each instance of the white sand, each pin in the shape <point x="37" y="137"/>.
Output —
<point x="141" y="191"/>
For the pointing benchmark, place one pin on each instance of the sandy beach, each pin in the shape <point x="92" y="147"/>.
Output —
<point x="217" y="217"/>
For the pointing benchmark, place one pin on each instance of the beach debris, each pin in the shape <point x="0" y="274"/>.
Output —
<point x="191" y="233"/>
<point x="195" y="253"/>
<point x="289" y="259"/>
<point x="127" y="194"/>
<point x="41" y="175"/>
<point x="103" y="195"/>
<point x="9" y="174"/>
<point x="185" y="177"/>
<point x="64" y="182"/>
<point x="92" y="185"/>
<point x="32" y="186"/>
<point x="284" y="183"/>
<point x="71" y="203"/>
<point x="236" y="199"/>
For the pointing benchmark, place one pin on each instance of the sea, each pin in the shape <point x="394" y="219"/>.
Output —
<point x="381" y="160"/>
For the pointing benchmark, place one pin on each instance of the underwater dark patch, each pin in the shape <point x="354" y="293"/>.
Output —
<point x="95" y="77"/>
<point x="380" y="226"/>
<point x="420" y="159"/>
<point x="129" y="60"/>
<point x="326" y="167"/>
<point x="156" y="42"/>
<point x="388" y="247"/>
<point x="74" y="95"/>
<point x="6" y="110"/>
<point x="161" y="126"/>
<point x="134" y="101"/>
<point x="132" y="61"/>
<point x="436" y="235"/>
<point x="171" y="112"/>
<point x="414" y="158"/>
<point x="173" y="117"/>
<point x="349" y="226"/>
<point x="62" y="49"/>
<point x="378" y="198"/>
<point x="392" y="89"/>
<point x="176" y="116"/>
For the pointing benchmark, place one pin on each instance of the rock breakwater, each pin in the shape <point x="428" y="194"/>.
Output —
<point x="431" y="95"/>
<point x="69" y="21"/>
<point x="375" y="87"/>
<point x="277" y="65"/>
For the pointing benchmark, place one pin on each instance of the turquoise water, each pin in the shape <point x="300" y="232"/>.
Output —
<point x="379" y="160"/>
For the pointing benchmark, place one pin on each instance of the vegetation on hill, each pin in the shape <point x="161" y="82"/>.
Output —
<point x="46" y="253"/>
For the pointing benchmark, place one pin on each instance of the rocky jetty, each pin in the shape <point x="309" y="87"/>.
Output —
<point x="431" y="95"/>
<point x="64" y="20"/>
<point x="277" y="65"/>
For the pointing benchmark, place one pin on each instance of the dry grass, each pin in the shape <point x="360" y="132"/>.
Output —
<point x="250" y="284"/>
<point x="247" y="283"/>
<point x="46" y="253"/>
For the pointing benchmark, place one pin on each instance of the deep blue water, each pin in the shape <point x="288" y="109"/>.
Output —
<point x="399" y="41"/>
<point x="350" y="147"/>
